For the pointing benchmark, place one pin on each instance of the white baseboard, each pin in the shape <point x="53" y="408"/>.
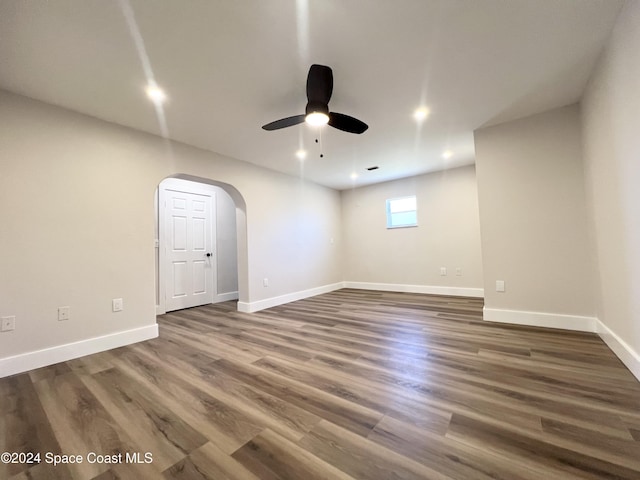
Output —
<point x="225" y="297"/>
<point x="620" y="348"/>
<point x="250" y="307"/>
<point x="61" y="353"/>
<point x="428" y="289"/>
<point x="540" y="319"/>
<point x="623" y="351"/>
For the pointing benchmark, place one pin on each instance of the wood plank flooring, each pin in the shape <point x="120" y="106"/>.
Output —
<point x="347" y="385"/>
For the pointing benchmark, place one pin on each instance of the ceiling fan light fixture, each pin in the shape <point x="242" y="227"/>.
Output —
<point x="317" y="119"/>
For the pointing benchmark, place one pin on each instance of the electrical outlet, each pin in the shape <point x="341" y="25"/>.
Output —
<point x="117" y="304"/>
<point x="63" y="313"/>
<point x="458" y="272"/>
<point x="8" y="324"/>
<point x="500" y="286"/>
<point x="265" y="282"/>
<point x="443" y="271"/>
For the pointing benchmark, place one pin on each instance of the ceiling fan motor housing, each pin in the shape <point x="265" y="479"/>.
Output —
<point x="317" y="107"/>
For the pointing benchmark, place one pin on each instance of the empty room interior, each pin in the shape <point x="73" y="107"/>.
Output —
<point x="298" y="239"/>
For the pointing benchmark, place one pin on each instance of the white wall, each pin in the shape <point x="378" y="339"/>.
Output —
<point x="226" y="244"/>
<point x="77" y="209"/>
<point x="409" y="259"/>
<point x="292" y="225"/>
<point x="611" y="116"/>
<point x="534" y="221"/>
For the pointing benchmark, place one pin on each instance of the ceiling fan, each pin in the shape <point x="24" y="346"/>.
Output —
<point x="319" y="89"/>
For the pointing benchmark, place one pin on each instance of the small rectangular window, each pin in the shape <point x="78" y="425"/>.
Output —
<point x="401" y="212"/>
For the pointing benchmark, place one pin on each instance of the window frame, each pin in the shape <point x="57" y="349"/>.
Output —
<point x="389" y="213"/>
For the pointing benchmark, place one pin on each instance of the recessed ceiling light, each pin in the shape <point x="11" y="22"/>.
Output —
<point x="301" y="154"/>
<point x="354" y="175"/>
<point x="156" y="94"/>
<point x="421" y="114"/>
<point x="447" y="154"/>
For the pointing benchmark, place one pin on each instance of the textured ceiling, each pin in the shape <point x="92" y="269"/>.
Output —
<point x="229" y="67"/>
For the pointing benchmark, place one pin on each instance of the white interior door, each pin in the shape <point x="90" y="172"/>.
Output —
<point x="188" y="246"/>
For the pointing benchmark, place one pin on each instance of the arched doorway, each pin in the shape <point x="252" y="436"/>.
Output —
<point x="198" y="262"/>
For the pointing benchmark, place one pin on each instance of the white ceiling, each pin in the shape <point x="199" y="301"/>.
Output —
<point x="230" y="66"/>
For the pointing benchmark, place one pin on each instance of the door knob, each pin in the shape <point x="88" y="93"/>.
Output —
<point x="209" y="254"/>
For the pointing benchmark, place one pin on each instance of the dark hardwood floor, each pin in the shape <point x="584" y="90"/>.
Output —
<point x="351" y="384"/>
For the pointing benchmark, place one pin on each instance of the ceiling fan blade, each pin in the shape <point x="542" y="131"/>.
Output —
<point x="284" y="122"/>
<point x="346" y="123"/>
<point x="319" y="84"/>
